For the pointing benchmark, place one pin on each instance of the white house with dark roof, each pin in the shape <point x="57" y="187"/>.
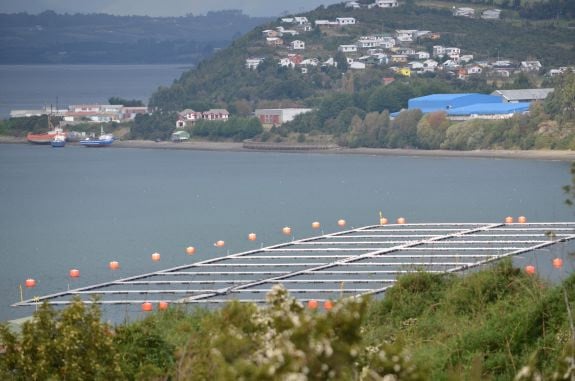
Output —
<point x="345" y="20"/>
<point x="386" y="3"/>
<point x="297" y="45"/>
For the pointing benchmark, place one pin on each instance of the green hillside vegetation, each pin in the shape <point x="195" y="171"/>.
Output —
<point x="496" y="324"/>
<point x="354" y="106"/>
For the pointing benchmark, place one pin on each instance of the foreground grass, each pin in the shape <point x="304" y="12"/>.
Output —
<point x="497" y="324"/>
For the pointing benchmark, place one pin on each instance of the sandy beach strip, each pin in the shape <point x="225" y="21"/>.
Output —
<point x="238" y="146"/>
<point x="560" y="155"/>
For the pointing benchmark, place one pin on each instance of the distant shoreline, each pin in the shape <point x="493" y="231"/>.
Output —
<point x="322" y="149"/>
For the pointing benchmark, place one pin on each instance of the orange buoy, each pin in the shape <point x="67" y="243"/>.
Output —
<point x="30" y="283"/>
<point x="156" y="257"/>
<point x="74" y="273"/>
<point x="341" y="223"/>
<point x="190" y="250"/>
<point x="521" y="219"/>
<point x="220" y="243"/>
<point x="315" y="225"/>
<point x="252" y="236"/>
<point x="147" y="307"/>
<point x="328" y="305"/>
<point x="508" y="220"/>
<point x="114" y="265"/>
<point x="401" y="220"/>
<point x="286" y="230"/>
<point x="558" y="263"/>
<point x="163" y="305"/>
<point x="530" y="269"/>
<point x="312" y="304"/>
<point x="383" y="221"/>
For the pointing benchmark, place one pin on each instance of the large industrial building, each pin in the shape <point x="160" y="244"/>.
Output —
<point x="469" y="105"/>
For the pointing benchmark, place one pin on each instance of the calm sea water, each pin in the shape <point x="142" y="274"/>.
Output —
<point x="36" y="86"/>
<point x="80" y="208"/>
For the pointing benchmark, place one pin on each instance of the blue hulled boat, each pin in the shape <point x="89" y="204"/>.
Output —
<point x="101" y="141"/>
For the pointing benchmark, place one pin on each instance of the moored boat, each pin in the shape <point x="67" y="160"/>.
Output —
<point x="46" y="137"/>
<point x="59" y="140"/>
<point x="101" y="141"/>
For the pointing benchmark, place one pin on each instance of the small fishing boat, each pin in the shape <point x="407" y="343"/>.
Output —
<point x="59" y="140"/>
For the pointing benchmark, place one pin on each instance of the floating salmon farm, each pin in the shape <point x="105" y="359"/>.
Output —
<point x="359" y="261"/>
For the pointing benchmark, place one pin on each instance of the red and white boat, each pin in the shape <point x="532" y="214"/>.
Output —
<point x="45" y="137"/>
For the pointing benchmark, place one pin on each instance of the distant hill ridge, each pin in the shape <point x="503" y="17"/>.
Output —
<point x="99" y="38"/>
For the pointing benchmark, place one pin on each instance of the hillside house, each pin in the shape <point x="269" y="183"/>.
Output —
<point x="253" y="63"/>
<point x="286" y="62"/>
<point x="310" y="62"/>
<point x="300" y="20"/>
<point x="527" y="66"/>
<point x="453" y="53"/>
<point x="284" y="31"/>
<point x="341" y="21"/>
<point x="398" y="58"/>
<point x="491" y="14"/>
<point x="352" y="4"/>
<point x="347" y="48"/>
<point x="366" y="42"/>
<point x="357" y="65"/>
<point x="278" y="116"/>
<point x="474" y="69"/>
<point x="405" y="35"/>
<point x="416" y="66"/>
<point x="297" y="45"/>
<point x="406" y="51"/>
<point x="274" y="41"/>
<point x="421" y="55"/>
<point x="438" y="51"/>
<point x="466" y="58"/>
<point x="187" y="118"/>
<point x="216" y="114"/>
<point x="291" y="61"/>
<point x="325" y="23"/>
<point x="464" y="12"/>
<point x="430" y="65"/>
<point x="386" y="3"/>
<point x="271" y="33"/>
<point x="304" y="27"/>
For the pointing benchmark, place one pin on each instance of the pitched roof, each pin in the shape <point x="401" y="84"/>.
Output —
<point x="523" y="94"/>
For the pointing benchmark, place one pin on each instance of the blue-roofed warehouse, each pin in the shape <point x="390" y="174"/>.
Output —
<point x="445" y="102"/>
<point x="467" y="105"/>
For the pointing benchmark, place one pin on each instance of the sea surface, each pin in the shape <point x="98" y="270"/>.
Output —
<point x="33" y="87"/>
<point x="78" y="207"/>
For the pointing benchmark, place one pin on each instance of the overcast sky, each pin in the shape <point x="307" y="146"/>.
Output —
<point x="162" y="7"/>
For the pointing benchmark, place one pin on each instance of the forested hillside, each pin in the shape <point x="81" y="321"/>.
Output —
<point x="100" y="38"/>
<point x="353" y="104"/>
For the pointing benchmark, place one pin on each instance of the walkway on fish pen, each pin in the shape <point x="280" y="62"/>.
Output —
<point x="360" y="261"/>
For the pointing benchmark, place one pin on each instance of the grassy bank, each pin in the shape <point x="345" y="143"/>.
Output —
<point x="497" y="324"/>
